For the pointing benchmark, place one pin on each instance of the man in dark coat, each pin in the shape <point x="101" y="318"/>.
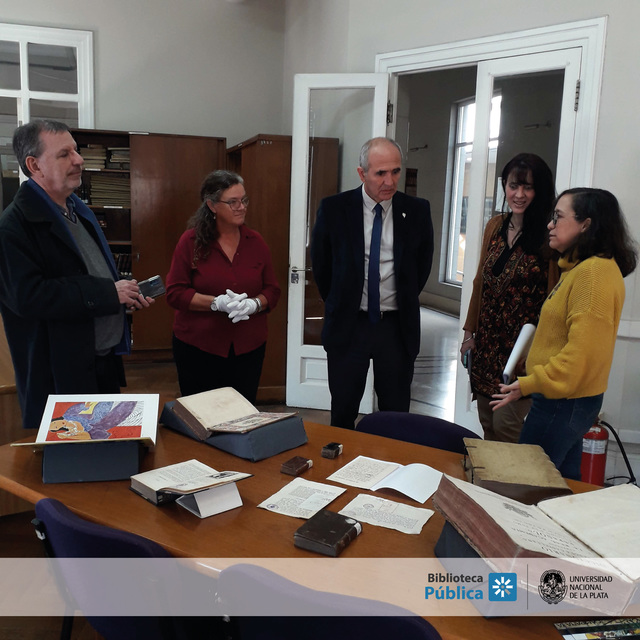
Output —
<point x="372" y="309"/>
<point x="61" y="298"/>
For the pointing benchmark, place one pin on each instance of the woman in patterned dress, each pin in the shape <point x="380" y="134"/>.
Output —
<point x="514" y="275"/>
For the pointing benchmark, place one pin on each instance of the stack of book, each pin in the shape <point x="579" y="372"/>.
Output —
<point x="110" y="191"/>
<point x="119" y="158"/>
<point x="94" y="156"/>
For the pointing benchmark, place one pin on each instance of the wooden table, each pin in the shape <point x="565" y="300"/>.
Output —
<point x="250" y="532"/>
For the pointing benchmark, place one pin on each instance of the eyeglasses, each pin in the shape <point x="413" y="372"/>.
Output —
<point x="236" y="204"/>
<point x="555" y="216"/>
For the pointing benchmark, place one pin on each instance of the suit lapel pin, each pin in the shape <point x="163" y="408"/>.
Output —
<point x="404" y="215"/>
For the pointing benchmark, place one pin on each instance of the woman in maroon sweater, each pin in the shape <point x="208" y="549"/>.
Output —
<point x="221" y="284"/>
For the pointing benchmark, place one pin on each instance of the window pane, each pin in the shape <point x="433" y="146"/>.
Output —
<point x="9" y="178"/>
<point x="66" y="112"/>
<point x="340" y="120"/>
<point x="467" y="116"/>
<point x="9" y="65"/>
<point x="52" y="68"/>
<point x="458" y="214"/>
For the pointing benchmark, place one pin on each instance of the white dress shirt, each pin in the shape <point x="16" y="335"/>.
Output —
<point x="387" y="279"/>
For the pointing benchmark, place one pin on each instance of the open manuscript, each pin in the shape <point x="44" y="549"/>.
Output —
<point x="596" y="531"/>
<point x="221" y="410"/>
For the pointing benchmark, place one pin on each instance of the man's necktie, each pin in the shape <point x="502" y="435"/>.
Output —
<point x="374" y="266"/>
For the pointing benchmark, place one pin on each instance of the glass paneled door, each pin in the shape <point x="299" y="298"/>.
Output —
<point x="513" y="78"/>
<point x="333" y="115"/>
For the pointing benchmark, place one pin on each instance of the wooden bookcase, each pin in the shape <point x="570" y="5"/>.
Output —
<point x="164" y="177"/>
<point x="264" y="162"/>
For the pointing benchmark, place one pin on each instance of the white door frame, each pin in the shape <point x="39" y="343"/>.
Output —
<point x="567" y="59"/>
<point x="307" y="384"/>
<point x="588" y="36"/>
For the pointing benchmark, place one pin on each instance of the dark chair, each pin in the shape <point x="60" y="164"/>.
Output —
<point x="251" y="595"/>
<point x="100" y="588"/>
<point x="411" y="427"/>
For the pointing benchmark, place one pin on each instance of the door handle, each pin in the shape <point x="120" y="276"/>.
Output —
<point x="295" y="271"/>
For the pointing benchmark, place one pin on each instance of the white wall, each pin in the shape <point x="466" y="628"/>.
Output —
<point x="202" y="67"/>
<point x="358" y="30"/>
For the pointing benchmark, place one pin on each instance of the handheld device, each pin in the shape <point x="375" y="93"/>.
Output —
<point x="152" y="287"/>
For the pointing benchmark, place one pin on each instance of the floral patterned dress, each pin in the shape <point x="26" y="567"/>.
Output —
<point x="511" y="286"/>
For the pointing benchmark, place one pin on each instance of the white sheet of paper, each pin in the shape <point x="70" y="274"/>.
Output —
<point x="614" y="537"/>
<point x="301" y="498"/>
<point x="386" y="513"/>
<point x="363" y="472"/>
<point x="418" y="481"/>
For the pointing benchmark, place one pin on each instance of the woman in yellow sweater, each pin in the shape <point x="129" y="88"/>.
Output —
<point x="570" y="358"/>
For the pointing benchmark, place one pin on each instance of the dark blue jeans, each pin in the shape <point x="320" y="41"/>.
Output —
<point x="558" y="427"/>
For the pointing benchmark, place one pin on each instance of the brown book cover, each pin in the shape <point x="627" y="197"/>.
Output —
<point x="191" y="422"/>
<point x="327" y="532"/>
<point x="571" y="529"/>
<point x="523" y="472"/>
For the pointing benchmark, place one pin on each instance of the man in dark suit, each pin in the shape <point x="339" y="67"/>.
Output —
<point x="371" y="254"/>
<point x="61" y="298"/>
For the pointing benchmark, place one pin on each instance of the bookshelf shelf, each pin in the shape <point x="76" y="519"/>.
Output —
<point x="143" y="207"/>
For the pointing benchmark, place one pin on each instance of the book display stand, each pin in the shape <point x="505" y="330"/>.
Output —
<point x="91" y="461"/>
<point x="258" y="444"/>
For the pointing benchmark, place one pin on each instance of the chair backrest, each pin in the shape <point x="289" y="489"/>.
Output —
<point x="70" y="536"/>
<point x="66" y="535"/>
<point x="251" y="595"/>
<point x="411" y="427"/>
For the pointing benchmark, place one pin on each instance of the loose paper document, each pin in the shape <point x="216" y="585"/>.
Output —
<point x="301" y="498"/>
<point x="418" y="481"/>
<point x="386" y="513"/>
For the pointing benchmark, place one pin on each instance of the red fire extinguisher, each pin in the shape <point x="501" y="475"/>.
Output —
<point x="594" y="454"/>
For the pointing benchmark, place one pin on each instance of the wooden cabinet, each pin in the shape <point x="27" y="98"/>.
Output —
<point x="163" y="178"/>
<point x="264" y="162"/>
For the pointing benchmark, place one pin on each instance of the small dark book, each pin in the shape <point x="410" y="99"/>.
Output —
<point x="327" y="532"/>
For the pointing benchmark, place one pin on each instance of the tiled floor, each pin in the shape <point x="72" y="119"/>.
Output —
<point x="434" y="380"/>
<point x="432" y="392"/>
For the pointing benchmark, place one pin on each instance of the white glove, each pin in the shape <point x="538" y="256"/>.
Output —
<point x="227" y="302"/>
<point x="236" y="296"/>
<point x="245" y="308"/>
